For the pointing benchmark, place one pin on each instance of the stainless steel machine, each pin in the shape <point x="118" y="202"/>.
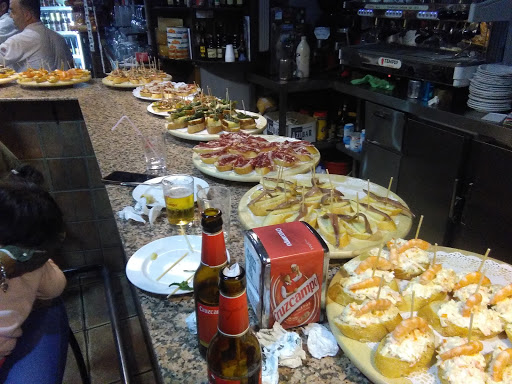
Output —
<point x="431" y="41"/>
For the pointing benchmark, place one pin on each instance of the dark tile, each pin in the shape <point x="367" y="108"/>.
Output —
<point x="102" y="355"/>
<point x="67" y="260"/>
<point x="114" y="259"/>
<point x="73" y="301"/>
<point x="61" y="139"/>
<point x="68" y="174"/>
<point x="38" y="111"/>
<point x="123" y="297"/>
<point x="75" y="205"/>
<point x="72" y="374"/>
<point x="22" y="139"/>
<point x="81" y="236"/>
<point x="145" y="378"/>
<point x="89" y="150"/>
<point x="95" y="307"/>
<point x="102" y="207"/>
<point x="135" y="343"/>
<point x="67" y="110"/>
<point x="94" y="173"/>
<point x="108" y="233"/>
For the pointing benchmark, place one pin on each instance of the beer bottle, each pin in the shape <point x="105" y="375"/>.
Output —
<point x="206" y="278"/>
<point x="234" y="354"/>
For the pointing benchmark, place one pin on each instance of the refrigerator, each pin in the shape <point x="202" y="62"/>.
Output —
<point x="77" y="24"/>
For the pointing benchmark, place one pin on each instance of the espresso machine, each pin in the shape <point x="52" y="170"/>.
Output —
<point x="441" y="41"/>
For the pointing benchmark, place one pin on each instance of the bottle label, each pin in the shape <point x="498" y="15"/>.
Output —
<point x="235" y="318"/>
<point x="207" y="318"/>
<point x="213" y="249"/>
<point x="214" y="379"/>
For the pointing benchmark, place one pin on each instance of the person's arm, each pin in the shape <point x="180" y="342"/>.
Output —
<point x="52" y="283"/>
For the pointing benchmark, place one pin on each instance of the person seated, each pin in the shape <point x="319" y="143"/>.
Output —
<point x="35" y="46"/>
<point x="7" y="28"/>
<point x="31" y="231"/>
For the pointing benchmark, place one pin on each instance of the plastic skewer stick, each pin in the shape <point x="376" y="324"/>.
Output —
<point x="484" y="259"/>
<point x="243" y="106"/>
<point x="378" y="259"/>
<point x="419" y="227"/>
<point x="177" y="289"/>
<point x="172" y="266"/>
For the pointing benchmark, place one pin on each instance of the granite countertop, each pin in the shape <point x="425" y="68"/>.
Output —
<point x="174" y="346"/>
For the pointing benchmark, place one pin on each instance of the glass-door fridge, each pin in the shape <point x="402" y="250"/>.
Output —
<point x="76" y="22"/>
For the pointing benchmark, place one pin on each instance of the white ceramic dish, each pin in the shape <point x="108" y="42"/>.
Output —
<point x="46" y="84"/>
<point x="157" y="192"/>
<point x="254" y="177"/>
<point x="151" y="110"/>
<point x="261" y="124"/>
<point x="142" y="270"/>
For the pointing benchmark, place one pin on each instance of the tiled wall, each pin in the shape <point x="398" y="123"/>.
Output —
<point x="53" y="138"/>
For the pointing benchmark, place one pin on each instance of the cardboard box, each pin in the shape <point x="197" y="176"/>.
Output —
<point x="165" y="22"/>
<point x="298" y="126"/>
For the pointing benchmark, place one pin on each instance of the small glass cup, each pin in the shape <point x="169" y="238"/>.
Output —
<point x="155" y="153"/>
<point x="220" y="198"/>
<point x="179" y="199"/>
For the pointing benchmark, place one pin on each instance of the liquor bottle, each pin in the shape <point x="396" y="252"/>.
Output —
<point x="202" y="48"/>
<point x="52" y="21"/>
<point x="211" y="51"/>
<point x="206" y="278"/>
<point x="235" y="46"/>
<point x="58" y="25"/>
<point x="219" y="48"/>
<point x="234" y="354"/>
<point x="302" y="58"/>
<point x="340" y="122"/>
<point x="229" y="3"/>
<point x="64" y="22"/>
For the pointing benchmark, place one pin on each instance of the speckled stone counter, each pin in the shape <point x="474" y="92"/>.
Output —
<point x="174" y="346"/>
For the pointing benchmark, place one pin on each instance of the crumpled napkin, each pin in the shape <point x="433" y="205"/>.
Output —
<point x="279" y="348"/>
<point x="191" y="323"/>
<point x="141" y="208"/>
<point x="321" y="342"/>
<point x="374" y="82"/>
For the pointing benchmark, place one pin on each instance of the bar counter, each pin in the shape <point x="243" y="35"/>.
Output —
<point x="175" y="350"/>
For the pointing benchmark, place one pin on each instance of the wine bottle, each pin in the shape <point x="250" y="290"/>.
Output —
<point x="234" y="354"/>
<point x="206" y="278"/>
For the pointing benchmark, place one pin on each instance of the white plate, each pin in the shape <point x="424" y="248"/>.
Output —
<point x="261" y="124"/>
<point x="136" y="92"/>
<point x="157" y="192"/>
<point x="142" y="271"/>
<point x="151" y="110"/>
<point x="496" y="69"/>
<point x="253" y="176"/>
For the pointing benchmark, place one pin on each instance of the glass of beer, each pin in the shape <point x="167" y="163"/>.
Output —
<point x="179" y="199"/>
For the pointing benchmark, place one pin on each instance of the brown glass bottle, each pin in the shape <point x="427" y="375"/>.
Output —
<point x="234" y="354"/>
<point x="206" y="278"/>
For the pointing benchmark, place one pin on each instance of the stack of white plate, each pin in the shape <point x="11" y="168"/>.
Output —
<point x="491" y="88"/>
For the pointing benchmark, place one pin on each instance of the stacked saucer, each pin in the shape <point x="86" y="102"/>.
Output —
<point x="491" y="88"/>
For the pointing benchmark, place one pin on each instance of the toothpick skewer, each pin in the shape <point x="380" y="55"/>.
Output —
<point x="470" y="330"/>
<point x="172" y="266"/>
<point x="378" y="259"/>
<point x="243" y="106"/>
<point x="419" y="227"/>
<point x="177" y="289"/>
<point x="480" y="281"/>
<point x="412" y="301"/>
<point x="435" y="255"/>
<point x="389" y="186"/>
<point x="357" y="203"/>
<point x="380" y="287"/>
<point x="182" y="230"/>
<point x="484" y="259"/>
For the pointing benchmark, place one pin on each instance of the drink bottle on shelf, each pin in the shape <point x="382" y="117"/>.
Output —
<point x="234" y="354"/>
<point x="206" y="278"/>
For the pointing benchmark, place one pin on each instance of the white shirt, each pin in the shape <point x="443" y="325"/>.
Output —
<point x="34" y="47"/>
<point x="7" y="27"/>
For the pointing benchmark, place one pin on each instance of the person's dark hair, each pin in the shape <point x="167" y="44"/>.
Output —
<point x="6" y="2"/>
<point x="33" y="6"/>
<point x="29" y="216"/>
